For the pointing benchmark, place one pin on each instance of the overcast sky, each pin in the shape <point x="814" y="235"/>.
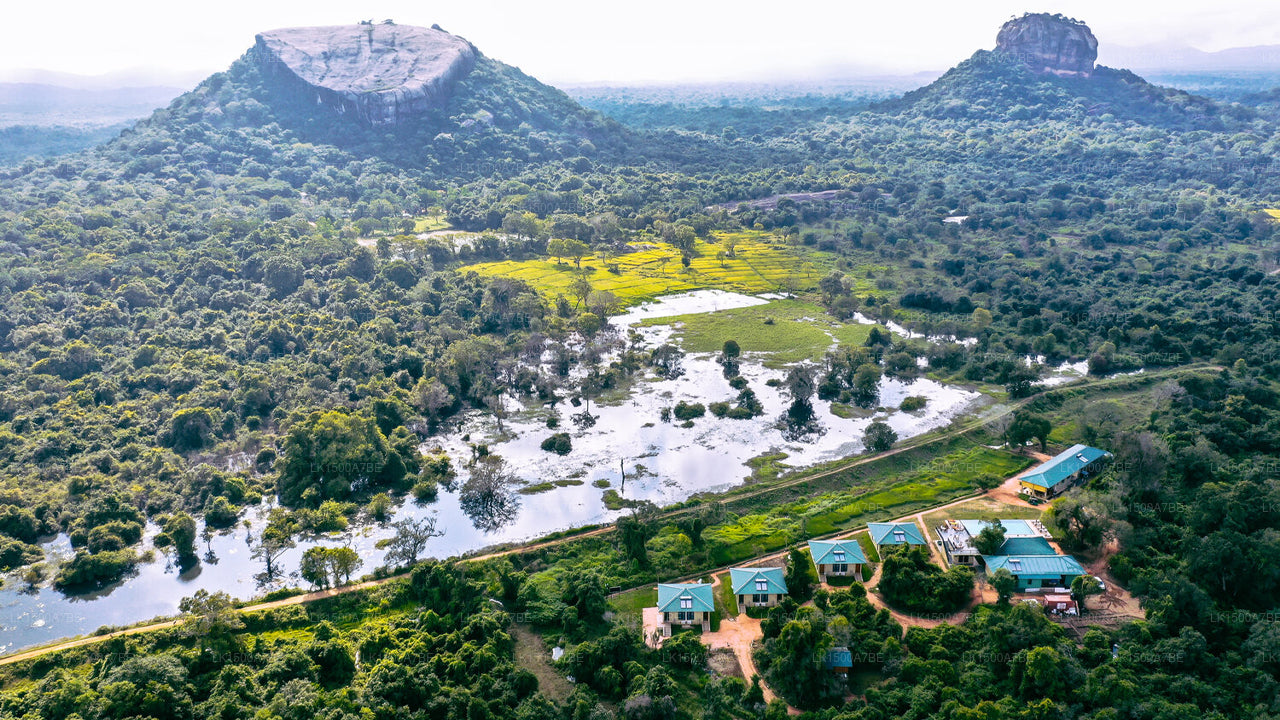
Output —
<point x="578" y="41"/>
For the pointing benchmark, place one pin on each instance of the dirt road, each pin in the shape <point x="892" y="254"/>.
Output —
<point x="740" y="634"/>
<point x="910" y="444"/>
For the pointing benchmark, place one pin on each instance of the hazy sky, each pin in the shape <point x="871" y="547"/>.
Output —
<point x="568" y="41"/>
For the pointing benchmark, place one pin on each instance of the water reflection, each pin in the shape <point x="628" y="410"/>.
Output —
<point x="489" y="508"/>
<point x="663" y="463"/>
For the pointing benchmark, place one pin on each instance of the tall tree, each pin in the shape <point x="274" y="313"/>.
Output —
<point x="990" y="539"/>
<point x="800" y="575"/>
<point x="410" y="540"/>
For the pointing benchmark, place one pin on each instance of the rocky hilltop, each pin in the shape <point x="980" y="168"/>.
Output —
<point x="1051" y="44"/>
<point x="382" y="74"/>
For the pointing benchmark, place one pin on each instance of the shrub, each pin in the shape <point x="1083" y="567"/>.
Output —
<point x="559" y="444"/>
<point x="879" y="437"/>
<point x="426" y="491"/>
<point x="913" y="403"/>
<point x="15" y="553"/>
<point x="689" y="411"/>
<point x="719" y="409"/>
<point x="87" y="570"/>
<point x="910" y="582"/>
<point x="987" y="481"/>
<point x="379" y="506"/>
<point x="220" y="513"/>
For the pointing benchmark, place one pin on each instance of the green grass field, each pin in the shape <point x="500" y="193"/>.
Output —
<point x="762" y="263"/>
<point x="788" y="330"/>
<point x="429" y="223"/>
<point x="868" y="549"/>
<point x="982" y="509"/>
<point x="726" y="601"/>
<point x="630" y="604"/>
<point x="776" y="526"/>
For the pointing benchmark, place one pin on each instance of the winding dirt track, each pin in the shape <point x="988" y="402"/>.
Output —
<point x="911" y="444"/>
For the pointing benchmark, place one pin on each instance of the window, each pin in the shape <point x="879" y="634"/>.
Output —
<point x="686" y="603"/>
<point x="762" y="585"/>
<point x="900" y="535"/>
<point x="760" y="599"/>
<point x="840" y="568"/>
<point x="684" y="616"/>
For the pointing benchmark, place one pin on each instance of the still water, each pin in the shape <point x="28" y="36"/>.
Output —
<point x="663" y="462"/>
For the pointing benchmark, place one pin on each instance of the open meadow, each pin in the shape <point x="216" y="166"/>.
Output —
<point x="747" y="261"/>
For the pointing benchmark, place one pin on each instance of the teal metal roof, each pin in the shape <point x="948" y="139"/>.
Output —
<point x="699" y="594"/>
<point x="1063" y="465"/>
<point x="744" y="581"/>
<point x="830" y="552"/>
<point x="839" y="657"/>
<point x="1012" y="528"/>
<point x="1034" y="566"/>
<point x="1027" y="546"/>
<point x="896" y="534"/>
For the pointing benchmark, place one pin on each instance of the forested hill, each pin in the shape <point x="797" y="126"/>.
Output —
<point x="237" y="121"/>
<point x="994" y="84"/>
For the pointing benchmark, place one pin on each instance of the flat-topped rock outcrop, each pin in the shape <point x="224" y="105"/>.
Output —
<point x="382" y="74"/>
<point x="1050" y="44"/>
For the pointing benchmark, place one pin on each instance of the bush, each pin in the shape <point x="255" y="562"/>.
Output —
<point x="559" y="444"/>
<point x="689" y="411"/>
<point x="719" y="409"/>
<point x="737" y="382"/>
<point x="913" y="403"/>
<point x="87" y="570"/>
<point x="910" y="582"/>
<point x="15" y="553"/>
<point x="987" y="481"/>
<point x="426" y="491"/>
<point x="113" y="535"/>
<point x="380" y="506"/>
<point x="879" y="437"/>
<point x="685" y="650"/>
<point x="220" y="513"/>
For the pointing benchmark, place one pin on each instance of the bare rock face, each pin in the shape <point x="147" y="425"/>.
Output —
<point x="1050" y="44"/>
<point x="382" y="74"/>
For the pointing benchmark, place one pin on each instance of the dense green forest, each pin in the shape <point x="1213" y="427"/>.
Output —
<point x="231" y="302"/>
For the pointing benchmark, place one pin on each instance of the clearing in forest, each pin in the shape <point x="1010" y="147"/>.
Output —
<point x="788" y="330"/>
<point x="747" y="261"/>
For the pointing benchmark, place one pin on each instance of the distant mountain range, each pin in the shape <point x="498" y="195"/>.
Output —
<point x="58" y="112"/>
<point x="1172" y="58"/>
<point x="135" y="78"/>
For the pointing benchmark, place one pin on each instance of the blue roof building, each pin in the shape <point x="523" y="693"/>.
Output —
<point x="886" y="534"/>
<point x="837" y="558"/>
<point x="685" y="605"/>
<point x="686" y="596"/>
<point x="1037" y="571"/>
<point x="838" y="659"/>
<point x="1064" y="470"/>
<point x="758" y="587"/>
